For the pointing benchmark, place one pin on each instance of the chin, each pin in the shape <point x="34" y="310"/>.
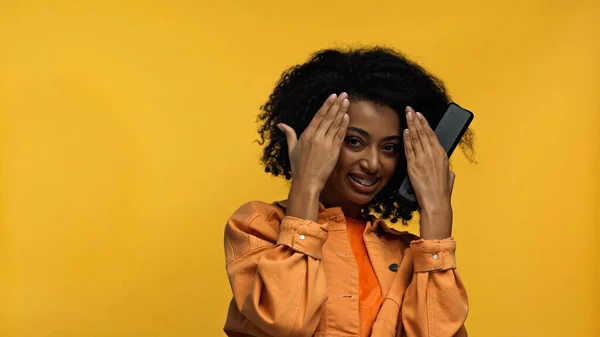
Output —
<point x="361" y="199"/>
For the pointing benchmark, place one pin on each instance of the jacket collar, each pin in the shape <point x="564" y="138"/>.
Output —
<point x="379" y="225"/>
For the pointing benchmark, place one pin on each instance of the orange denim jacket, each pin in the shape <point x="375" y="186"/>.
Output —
<point x="296" y="277"/>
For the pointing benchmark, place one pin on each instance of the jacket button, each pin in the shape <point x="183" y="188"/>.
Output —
<point x="394" y="267"/>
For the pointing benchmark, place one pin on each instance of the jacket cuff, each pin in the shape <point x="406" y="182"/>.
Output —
<point x="433" y="255"/>
<point x="304" y="236"/>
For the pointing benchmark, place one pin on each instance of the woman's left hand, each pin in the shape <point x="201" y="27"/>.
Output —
<point x="429" y="175"/>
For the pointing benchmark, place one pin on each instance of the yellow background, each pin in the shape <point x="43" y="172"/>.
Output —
<point x="127" y="134"/>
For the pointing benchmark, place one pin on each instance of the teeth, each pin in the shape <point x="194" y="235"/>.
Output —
<point x="364" y="182"/>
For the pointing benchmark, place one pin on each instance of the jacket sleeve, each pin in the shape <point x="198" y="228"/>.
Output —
<point x="435" y="302"/>
<point x="275" y="271"/>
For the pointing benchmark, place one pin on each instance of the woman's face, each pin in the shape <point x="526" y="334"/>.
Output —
<point x="368" y="156"/>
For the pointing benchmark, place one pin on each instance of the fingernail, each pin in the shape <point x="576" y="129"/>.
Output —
<point x="332" y="97"/>
<point x="406" y="132"/>
<point x="279" y="127"/>
<point x="419" y="115"/>
<point x="343" y="95"/>
<point x="345" y="103"/>
<point x="408" y="108"/>
<point x="409" y="115"/>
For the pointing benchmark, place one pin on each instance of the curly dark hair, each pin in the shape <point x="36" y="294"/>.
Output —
<point x="377" y="74"/>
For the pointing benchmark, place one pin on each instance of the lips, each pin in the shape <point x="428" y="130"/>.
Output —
<point x="363" y="183"/>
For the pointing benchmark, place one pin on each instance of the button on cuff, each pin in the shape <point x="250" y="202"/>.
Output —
<point x="433" y="255"/>
<point x="303" y="236"/>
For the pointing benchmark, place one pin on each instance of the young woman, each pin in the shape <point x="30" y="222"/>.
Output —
<point x="346" y="127"/>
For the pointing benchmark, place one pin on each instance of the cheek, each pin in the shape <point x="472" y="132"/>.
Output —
<point x="345" y="161"/>
<point x="389" y="167"/>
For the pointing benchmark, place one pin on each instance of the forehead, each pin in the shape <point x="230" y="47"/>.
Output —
<point x="374" y="118"/>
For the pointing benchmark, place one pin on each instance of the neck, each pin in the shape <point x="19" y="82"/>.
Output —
<point x="351" y="210"/>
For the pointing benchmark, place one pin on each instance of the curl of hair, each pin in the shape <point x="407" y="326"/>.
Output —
<point x="378" y="74"/>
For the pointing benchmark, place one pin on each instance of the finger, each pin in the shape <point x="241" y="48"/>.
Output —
<point x="290" y="135"/>
<point x="341" y="133"/>
<point x="330" y="116"/>
<point x="321" y="113"/>
<point x="423" y="136"/>
<point x="408" y="148"/>
<point x="428" y="131"/>
<point x="337" y="122"/>
<point x="451" y="179"/>
<point x="417" y="147"/>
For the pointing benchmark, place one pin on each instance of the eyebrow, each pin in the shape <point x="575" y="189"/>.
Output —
<point x="367" y="135"/>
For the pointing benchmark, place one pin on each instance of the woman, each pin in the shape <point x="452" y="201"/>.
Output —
<point x="320" y="263"/>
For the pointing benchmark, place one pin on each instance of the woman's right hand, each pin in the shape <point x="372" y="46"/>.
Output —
<point x="314" y="155"/>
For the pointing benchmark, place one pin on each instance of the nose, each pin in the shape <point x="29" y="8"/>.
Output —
<point x="370" y="162"/>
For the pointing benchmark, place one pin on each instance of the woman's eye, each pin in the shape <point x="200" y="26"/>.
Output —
<point x="391" y="148"/>
<point x="353" y="142"/>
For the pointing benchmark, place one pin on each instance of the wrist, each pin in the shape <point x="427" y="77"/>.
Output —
<point x="436" y="222"/>
<point x="303" y="201"/>
<point x="305" y="188"/>
<point x="436" y="209"/>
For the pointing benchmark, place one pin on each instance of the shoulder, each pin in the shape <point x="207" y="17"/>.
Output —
<point x="382" y="227"/>
<point x="252" y="226"/>
<point x="255" y="218"/>
<point x="255" y="210"/>
<point x="394" y="236"/>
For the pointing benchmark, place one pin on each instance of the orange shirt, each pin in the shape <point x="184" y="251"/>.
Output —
<point x="369" y="292"/>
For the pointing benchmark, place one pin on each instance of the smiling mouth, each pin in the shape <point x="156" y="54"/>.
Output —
<point x="367" y="182"/>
